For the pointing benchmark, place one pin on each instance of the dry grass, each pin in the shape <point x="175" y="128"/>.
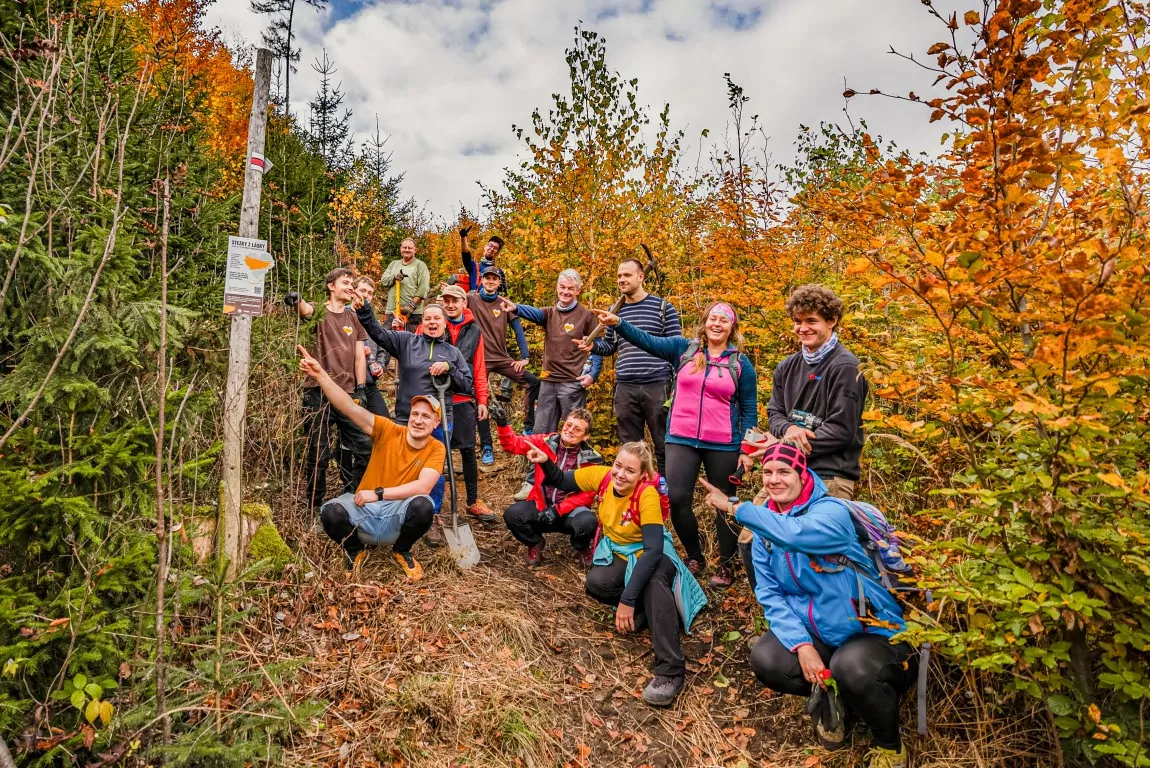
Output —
<point x="504" y="665"/>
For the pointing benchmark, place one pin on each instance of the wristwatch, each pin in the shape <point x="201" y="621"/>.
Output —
<point x="732" y="503"/>
<point x="379" y="493"/>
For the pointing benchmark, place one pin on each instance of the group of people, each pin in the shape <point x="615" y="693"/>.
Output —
<point x="684" y="404"/>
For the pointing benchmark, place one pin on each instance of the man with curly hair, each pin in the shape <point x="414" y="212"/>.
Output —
<point x="819" y="392"/>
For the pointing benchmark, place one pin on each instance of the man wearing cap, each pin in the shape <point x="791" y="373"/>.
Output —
<point x="565" y="375"/>
<point x="391" y="504"/>
<point x="487" y="260"/>
<point x="465" y="334"/>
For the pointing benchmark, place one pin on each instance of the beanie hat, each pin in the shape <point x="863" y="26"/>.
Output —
<point x="787" y="453"/>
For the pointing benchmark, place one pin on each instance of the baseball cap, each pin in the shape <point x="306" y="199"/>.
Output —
<point x="430" y="401"/>
<point x="453" y="290"/>
<point x="489" y="269"/>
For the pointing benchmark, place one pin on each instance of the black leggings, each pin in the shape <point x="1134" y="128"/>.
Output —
<point x="868" y="668"/>
<point x="417" y="520"/>
<point x="683" y="464"/>
<point x="656" y="608"/>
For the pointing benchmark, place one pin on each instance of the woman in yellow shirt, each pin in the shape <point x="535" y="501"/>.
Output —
<point x="635" y="565"/>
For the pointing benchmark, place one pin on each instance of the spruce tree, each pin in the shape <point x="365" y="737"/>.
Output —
<point x="279" y="35"/>
<point x="329" y="128"/>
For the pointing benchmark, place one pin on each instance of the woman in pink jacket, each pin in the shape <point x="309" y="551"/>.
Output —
<point x="714" y="403"/>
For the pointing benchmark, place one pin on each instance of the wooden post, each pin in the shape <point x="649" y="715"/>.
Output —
<point x="239" y="348"/>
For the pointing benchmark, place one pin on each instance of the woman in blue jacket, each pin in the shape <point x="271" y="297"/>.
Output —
<point x="817" y="617"/>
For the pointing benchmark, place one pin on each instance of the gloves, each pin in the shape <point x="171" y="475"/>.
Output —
<point x="548" y="516"/>
<point x="292" y="300"/>
<point x="359" y="396"/>
<point x="497" y="413"/>
<point x="463" y="232"/>
<point x="407" y="309"/>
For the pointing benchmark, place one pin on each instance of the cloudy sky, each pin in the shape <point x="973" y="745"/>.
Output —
<point x="448" y="78"/>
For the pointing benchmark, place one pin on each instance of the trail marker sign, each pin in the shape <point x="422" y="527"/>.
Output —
<point x="248" y="264"/>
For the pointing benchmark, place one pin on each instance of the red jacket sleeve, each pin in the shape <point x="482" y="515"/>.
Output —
<point x="480" y="368"/>
<point x="574" y="500"/>
<point x="515" y="444"/>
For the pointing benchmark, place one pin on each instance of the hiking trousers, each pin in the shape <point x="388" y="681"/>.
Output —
<point x="655" y="608"/>
<point x="556" y="400"/>
<point x="683" y="463"/>
<point x="643" y="407"/>
<point x="869" y="671"/>
<point x="522" y="519"/>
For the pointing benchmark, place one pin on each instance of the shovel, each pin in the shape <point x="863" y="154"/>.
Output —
<point x="460" y="542"/>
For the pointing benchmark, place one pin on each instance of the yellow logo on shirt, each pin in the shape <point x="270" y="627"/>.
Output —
<point x="348" y="330"/>
<point x="496" y="312"/>
<point x="568" y="327"/>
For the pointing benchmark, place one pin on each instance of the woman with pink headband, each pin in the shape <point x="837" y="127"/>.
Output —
<point x="714" y="403"/>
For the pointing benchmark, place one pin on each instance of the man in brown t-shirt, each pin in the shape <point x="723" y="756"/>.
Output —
<point x="392" y="505"/>
<point x="565" y="374"/>
<point x="339" y="351"/>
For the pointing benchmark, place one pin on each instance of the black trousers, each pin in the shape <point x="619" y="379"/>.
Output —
<point x="528" y="380"/>
<point x="869" y="671"/>
<point x="683" y="464"/>
<point x="655" y="607"/>
<point x="522" y="519"/>
<point x="337" y="525"/>
<point x="353" y="451"/>
<point x="376" y="402"/>
<point x="641" y="407"/>
<point x="463" y="439"/>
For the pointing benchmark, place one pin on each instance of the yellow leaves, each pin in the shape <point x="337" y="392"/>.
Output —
<point x="1113" y="479"/>
<point x="971" y="18"/>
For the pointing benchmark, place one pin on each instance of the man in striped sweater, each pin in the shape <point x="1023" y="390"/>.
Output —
<point x="641" y="379"/>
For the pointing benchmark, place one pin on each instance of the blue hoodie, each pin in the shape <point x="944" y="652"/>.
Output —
<point x="805" y="594"/>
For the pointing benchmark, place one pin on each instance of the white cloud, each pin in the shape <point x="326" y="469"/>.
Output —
<point x="448" y="78"/>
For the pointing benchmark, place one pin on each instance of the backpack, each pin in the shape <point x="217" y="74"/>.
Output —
<point x="631" y="515"/>
<point x="880" y="541"/>
<point x="732" y="363"/>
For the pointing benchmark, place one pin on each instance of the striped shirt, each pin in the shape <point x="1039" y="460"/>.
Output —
<point x="656" y="316"/>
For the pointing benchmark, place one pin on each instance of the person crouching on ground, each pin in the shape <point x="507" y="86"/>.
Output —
<point x="818" y="618"/>
<point x="392" y="505"/>
<point x="635" y="566"/>
<point x="548" y="509"/>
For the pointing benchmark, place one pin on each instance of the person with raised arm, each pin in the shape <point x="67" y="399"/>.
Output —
<point x="635" y="567"/>
<point x="391" y="504"/>
<point x="565" y="375"/>
<point x="713" y="404"/>
<point x="642" y="380"/>
<point x="548" y="509"/>
<point x="488" y="283"/>
<point x="829" y="616"/>
<point x="339" y="348"/>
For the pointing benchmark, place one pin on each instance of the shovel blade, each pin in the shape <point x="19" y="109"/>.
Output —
<point x="462" y="546"/>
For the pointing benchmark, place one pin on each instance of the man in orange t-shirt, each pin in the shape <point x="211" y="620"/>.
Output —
<point x="392" y="505"/>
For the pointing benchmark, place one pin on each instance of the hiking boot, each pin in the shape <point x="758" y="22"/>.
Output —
<point x="828" y="718"/>
<point x="527" y="431"/>
<point x="663" y="689"/>
<point x="723" y="577"/>
<point x="753" y="641"/>
<point x="535" y="554"/>
<point x="355" y="562"/>
<point x="881" y="757"/>
<point x="481" y="512"/>
<point x="488" y="455"/>
<point x="586" y="556"/>
<point x="409" y="565"/>
<point x="523" y="492"/>
<point x="434" y="535"/>
<point x="694" y="566"/>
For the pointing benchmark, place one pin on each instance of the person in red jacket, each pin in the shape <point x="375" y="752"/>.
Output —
<point x="467" y="409"/>
<point x="547" y="509"/>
